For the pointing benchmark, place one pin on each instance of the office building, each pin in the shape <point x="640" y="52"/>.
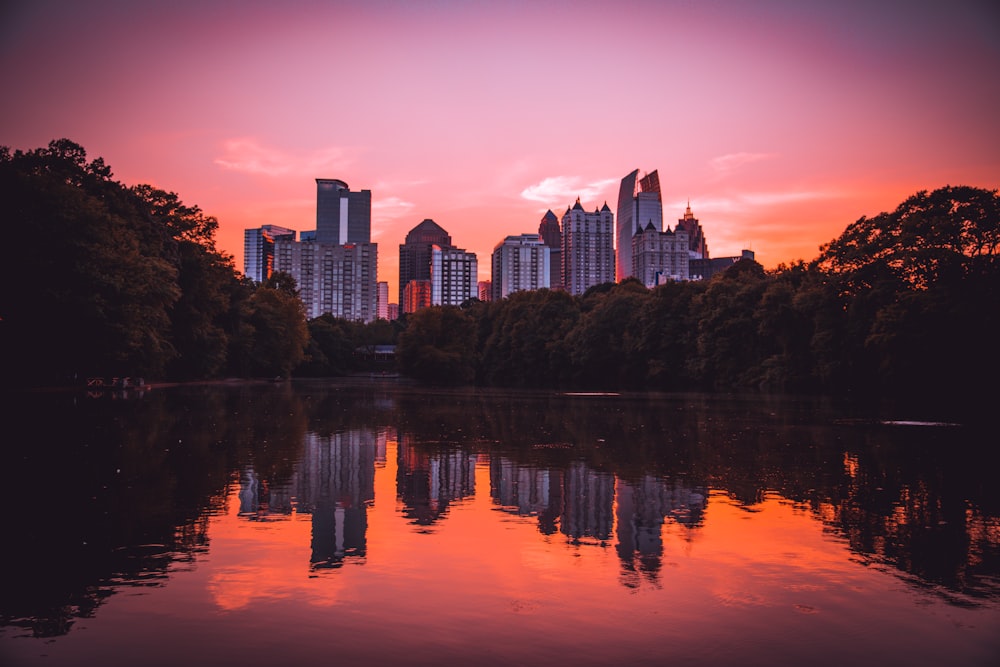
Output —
<point x="639" y="204"/>
<point x="588" y="253"/>
<point x="454" y="276"/>
<point x="703" y="269"/>
<point x="415" y="254"/>
<point x="342" y="216"/>
<point x="520" y="263"/>
<point x="258" y="250"/>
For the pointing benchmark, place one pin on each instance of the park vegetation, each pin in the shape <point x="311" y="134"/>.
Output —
<point x="103" y="279"/>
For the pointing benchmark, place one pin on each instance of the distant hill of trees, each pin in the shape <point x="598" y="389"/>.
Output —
<point x="103" y="279"/>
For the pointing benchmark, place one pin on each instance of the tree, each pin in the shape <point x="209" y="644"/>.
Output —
<point x="437" y="346"/>
<point x="93" y="295"/>
<point x="280" y="333"/>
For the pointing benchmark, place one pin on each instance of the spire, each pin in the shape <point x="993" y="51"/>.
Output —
<point x="577" y="205"/>
<point x="688" y="214"/>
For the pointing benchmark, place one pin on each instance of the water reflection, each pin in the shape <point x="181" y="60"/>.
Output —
<point x="122" y="493"/>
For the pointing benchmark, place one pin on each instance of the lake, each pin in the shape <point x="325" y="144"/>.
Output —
<point x="375" y="522"/>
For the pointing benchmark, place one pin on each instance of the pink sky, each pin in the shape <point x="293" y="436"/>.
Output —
<point x="782" y="121"/>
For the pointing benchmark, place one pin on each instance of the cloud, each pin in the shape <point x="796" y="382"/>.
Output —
<point x="565" y="189"/>
<point x="249" y="156"/>
<point x="730" y="162"/>
<point x="743" y="202"/>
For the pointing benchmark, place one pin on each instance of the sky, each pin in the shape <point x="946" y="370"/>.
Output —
<point x="780" y="121"/>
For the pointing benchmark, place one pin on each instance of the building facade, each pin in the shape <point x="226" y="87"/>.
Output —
<point x="415" y="254"/>
<point x="519" y="263"/>
<point x="335" y="266"/>
<point x="382" y="309"/>
<point x="454" y="276"/>
<point x="697" y="245"/>
<point x="339" y="280"/>
<point x="588" y="252"/>
<point x="258" y="250"/>
<point x="659" y="257"/>
<point x="342" y="216"/>
<point x="417" y="295"/>
<point x="639" y="204"/>
<point x="551" y="235"/>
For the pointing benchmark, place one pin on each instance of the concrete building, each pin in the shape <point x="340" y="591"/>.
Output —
<point x="336" y="279"/>
<point x="697" y="245"/>
<point x="485" y="290"/>
<point x="659" y="257"/>
<point x="258" y="250"/>
<point x="415" y="254"/>
<point x="520" y="263"/>
<point x="588" y="252"/>
<point x="382" y="309"/>
<point x="639" y="204"/>
<point x="336" y="266"/>
<point x="454" y="276"/>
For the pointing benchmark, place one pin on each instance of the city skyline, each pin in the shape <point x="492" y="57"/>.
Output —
<point x="781" y="123"/>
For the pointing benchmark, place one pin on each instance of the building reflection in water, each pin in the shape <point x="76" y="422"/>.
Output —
<point x="643" y="506"/>
<point x="334" y="482"/>
<point x="427" y="481"/>
<point x="580" y="502"/>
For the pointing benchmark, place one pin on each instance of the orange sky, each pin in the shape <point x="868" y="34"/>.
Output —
<point x="782" y="121"/>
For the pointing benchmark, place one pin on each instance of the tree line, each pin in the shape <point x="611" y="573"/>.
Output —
<point x="104" y="279"/>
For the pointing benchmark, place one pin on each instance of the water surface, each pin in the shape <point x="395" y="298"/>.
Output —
<point x="383" y="524"/>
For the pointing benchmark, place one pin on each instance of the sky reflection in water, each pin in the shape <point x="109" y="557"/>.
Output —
<point x="389" y="525"/>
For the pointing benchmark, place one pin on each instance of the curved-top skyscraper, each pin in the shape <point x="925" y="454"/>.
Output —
<point x="639" y="204"/>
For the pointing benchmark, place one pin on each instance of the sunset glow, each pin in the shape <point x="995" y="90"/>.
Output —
<point x="781" y="122"/>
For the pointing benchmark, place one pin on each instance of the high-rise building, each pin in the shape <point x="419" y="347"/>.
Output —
<point x="339" y="280"/>
<point x="258" y="250"/>
<point x="383" y="300"/>
<point x="336" y="266"/>
<point x="485" y="290"/>
<point x="342" y="216"/>
<point x="393" y="311"/>
<point x="415" y="254"/>
<point x="697" y="245"/>
<point x="659" y="257"/>
<point x="639" y="204"/>
<point x="588" y="252"/>
<point x="416" y="295"/>
<point x="454" y="276"/>
<point x="551" y="235"/>
<point x="520" y="263"/>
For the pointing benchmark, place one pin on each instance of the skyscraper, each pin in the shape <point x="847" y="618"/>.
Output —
<point x="639" y="204"/>
<point x="336" y="267"/>
<point x="697" y="245"/>
<point x="588" y="253"/>
<point x="454" y="276"/>
<point x="342" y="216"/>
<point x="551" y="235"/>
<point x="339" y="280"/>
<point x="660" y="257"/>
<point x="415" y="254"/>
<point x="258" y="250"/>
<point x="520" y="263"/>
<point x="383" y="300"/>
